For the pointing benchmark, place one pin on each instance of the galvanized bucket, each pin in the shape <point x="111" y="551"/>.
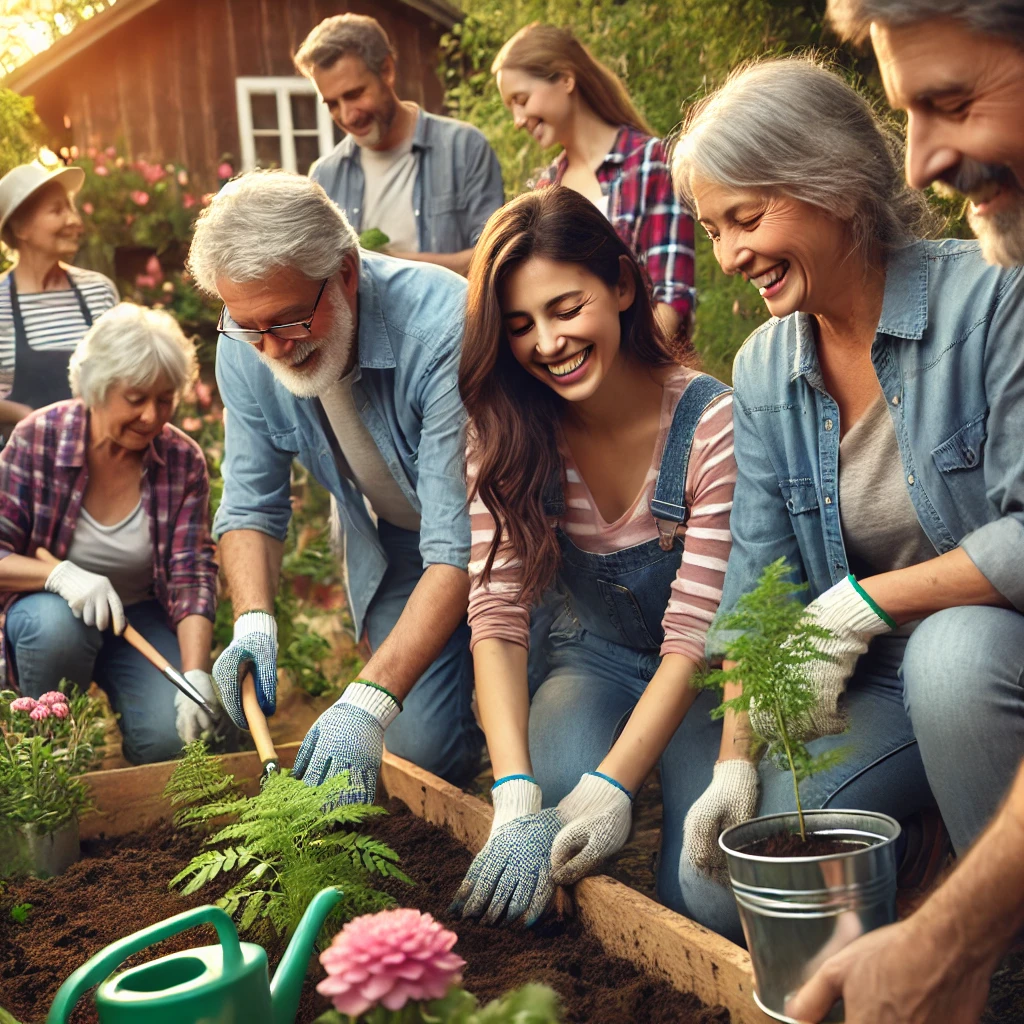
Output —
<point x="798" y="911"/>
<point x="26" y="849"/>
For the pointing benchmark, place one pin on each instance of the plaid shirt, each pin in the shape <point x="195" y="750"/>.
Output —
<point x="647" y="214"/>
<point x="43" y="476"/>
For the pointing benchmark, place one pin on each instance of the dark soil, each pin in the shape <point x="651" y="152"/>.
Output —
<point x="789" y="844"/>
<point x="120" y="886"/>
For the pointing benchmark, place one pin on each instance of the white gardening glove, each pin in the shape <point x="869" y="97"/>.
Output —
<point x="730" y="799"/>
<point x="597" y="816"/>
<point x="853" y="619"/>
<point x="90" y="597"/>
<point x="190" y="720"/>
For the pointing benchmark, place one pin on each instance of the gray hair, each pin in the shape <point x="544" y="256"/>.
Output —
<point x="134" y="346"/>
<point x="790" y="126"/>
<point x="266" y="221"/>
<point x="344" y="34"/>
<point x="852" y="19"/>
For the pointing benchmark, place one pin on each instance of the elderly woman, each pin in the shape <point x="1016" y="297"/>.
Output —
<point x="878" y="421"/>
<point x="45" y="304"/>
<point x="106" y="484"/>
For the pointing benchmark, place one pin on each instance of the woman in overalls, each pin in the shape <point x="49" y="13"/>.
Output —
<point x="600" y="455"/>
<point x="46" y="305"/>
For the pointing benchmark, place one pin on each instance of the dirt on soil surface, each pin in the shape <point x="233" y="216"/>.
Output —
<point x="120" y="886"/>
<point x="789" y="844"/>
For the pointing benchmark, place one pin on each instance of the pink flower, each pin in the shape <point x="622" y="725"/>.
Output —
<point x="225" y="170"/>
<point x="387" y="959"/>
<point x="60" y="710"/>
<point x="138" y="197"/>
<point x="183" y="178"/>
<point x="128" y="218"/>
<point x="39" y="712"/>
<point x="74" y="152"/>
<point x="188" y="200"/>
<point x="23" y="704"/>
<point x="91" y="152"/>
<point x="208" y="198"/>
<point x="111" y="152"/>
<point x="52" y="697"/>
<point x="87" y="208"/>
<point x="145" y="281"/>
<point x="191" y="424"/>
<point x="154" y="269"/>
<point x="101" y="170"/>
<point x="151" y="172"/>
<point x="204" y="394"/>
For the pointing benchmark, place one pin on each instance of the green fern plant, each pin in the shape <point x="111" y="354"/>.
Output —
<point x="280" y="847"/>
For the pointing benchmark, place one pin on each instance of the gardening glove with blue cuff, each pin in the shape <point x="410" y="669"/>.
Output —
<point x="511" y="875"/>
<point x="597" y="815"/>
<point x="729" y="800"/>
<point x="853" y="619"/>
<point x="349" y="736"/>
<point x="190" y="720"/>
<point x="253" y="649"/>
<point x="90" y="596"/>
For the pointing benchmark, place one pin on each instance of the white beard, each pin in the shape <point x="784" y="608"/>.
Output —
<point x="1001" y="235"/>
<point x="333" y="352"/>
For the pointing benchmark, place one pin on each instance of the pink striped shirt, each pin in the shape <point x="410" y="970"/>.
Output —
<point x="496" y="613"/>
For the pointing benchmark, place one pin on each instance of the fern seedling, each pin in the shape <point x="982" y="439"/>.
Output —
<point x="280" y="847"/>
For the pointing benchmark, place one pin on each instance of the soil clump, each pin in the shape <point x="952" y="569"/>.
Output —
<point x="789" y="844"/>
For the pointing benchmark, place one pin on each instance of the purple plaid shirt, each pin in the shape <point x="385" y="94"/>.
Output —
<point x="43" y="476"/>
<point x="646" y="213"/>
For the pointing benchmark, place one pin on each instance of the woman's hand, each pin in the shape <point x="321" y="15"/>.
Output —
<point x="729" y="800"/>
<point x="190" y="720"/>
<point x="90" y="597"/>
<point x="597" y="815"/>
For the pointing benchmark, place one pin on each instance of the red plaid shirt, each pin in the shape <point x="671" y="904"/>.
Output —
<point x="43" y="476"/>
<point x="646" y="213"/>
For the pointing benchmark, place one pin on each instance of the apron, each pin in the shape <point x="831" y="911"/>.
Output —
<point x="40" y="378"/>
<point x="622" y="596"/>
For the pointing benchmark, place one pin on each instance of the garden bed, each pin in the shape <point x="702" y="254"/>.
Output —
<point x="120" y="886"/>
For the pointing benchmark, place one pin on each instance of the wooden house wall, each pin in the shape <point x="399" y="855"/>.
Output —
<point x="163" y="84"/>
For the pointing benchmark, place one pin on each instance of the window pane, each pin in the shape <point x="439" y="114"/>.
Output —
<point x="307" y="149"/>
<point x="303" y="111"/>
<point x="268" y="150"/>
<point x="264" y="111"/>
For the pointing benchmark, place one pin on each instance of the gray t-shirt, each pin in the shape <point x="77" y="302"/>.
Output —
<point x="122" y="552"/>
<point x="390" y="177"/>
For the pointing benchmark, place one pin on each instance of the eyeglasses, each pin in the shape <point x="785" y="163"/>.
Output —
<point x="285" y="332"/>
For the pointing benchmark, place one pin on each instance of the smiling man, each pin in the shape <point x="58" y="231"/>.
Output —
<point x="347" y="362"/>
<point x="428" y="182"/>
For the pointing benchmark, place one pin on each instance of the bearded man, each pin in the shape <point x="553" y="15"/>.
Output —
<point x="346" y="361"/>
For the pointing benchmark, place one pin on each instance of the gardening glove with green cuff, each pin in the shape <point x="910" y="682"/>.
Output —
<point x="90" y="596"/>
<point x="597" y="815"/>
<point x="253" y="649"/>
<point x="854" y="619"/>
<point x="190" y="720"/>
<point x="511" y="875"/>
<point x="729" y="800"/>
<point x="349" y="737"/>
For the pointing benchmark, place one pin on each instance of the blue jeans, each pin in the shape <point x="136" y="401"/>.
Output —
<point x="577" y="711"/>
<point x="436" y="729"/>
<point x="47" y="644"/>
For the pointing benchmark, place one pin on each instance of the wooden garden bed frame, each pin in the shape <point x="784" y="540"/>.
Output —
<point x="627" y="923"/>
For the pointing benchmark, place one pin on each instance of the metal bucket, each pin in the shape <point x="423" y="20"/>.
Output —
<point x="797" y="911"/>
<point x="28" y="850"/>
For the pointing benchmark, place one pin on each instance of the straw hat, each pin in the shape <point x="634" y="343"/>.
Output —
<point x="18" y="184"/>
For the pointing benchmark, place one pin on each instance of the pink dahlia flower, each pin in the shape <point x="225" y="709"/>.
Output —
<point x="387" y="959"/>
<point x="60" y="710"/>
<point x="53" y="697"/>
<point x="39" y="712"/>
<point x="23" y="704"/>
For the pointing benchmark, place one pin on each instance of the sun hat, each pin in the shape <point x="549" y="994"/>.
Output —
<point x="25" y="180"/>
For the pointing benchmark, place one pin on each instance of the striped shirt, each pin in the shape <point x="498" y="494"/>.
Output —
<point x="53" y="319"/>
<point x="494" y="609"/>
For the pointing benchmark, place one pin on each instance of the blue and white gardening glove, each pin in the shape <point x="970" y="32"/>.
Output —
<point x="253" y="649"/>
<point x="349" y="737"/>
<point x="729" y="800"/>
<point x="853" y="619"/>
<point x="597" y="815"/>
<point x="511" y="875"/>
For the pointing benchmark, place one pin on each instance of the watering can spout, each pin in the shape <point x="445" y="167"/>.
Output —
<point x="286" y="987"/>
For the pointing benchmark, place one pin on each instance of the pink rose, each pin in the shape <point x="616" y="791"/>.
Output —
<point x="154" y="269"/>
<point x="138" y="197"/>
<point x="225" y="171"/>
<point x="87" y="208"/>
<point x="111" y="152"/>
<point x="39" y="712"/>
<point x="144" y="281"/>
<point x="101" y="170"/>
<point x="191" y="424"/>
<point x="204" y="394"/>
<point x="23" y="704"/>
<point x="60" y="710"/>
<point x="91" y="152"/>
<point x="188" y="200"/>
<point x="183" y="178"/>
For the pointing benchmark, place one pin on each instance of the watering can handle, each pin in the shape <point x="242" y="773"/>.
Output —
<point x="93" y="971"/>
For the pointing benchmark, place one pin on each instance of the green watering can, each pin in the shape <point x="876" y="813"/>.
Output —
<point x="225" y="984"/>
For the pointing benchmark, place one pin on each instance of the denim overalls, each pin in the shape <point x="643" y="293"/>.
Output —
<point x="604" y="647"/>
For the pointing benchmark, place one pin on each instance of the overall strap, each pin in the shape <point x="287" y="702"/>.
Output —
<point x="553" y="498"/>
<point x="668" y="506"/>
<point x="82" y="305"/>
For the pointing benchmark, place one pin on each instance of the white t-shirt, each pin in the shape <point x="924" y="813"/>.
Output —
<point x="389" y="180"/>
<point x="122" y="552"/>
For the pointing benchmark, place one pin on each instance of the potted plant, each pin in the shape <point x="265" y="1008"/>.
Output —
<point x="46" y="743"/>
<point x="807" y="883"/>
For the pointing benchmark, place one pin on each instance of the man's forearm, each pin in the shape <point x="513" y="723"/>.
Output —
<point x="252" y="566"/>
<point x="195" y="638"/>
<point x="435" y="607"/>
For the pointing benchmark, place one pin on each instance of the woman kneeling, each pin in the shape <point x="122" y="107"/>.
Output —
<point x="594" y="456"/>
<point x="105" y="484"/>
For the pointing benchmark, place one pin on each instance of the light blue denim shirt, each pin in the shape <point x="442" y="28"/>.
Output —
<point x="406" y="390"/>
<point x="458" y="185"/>
<point x="949" y="355"/>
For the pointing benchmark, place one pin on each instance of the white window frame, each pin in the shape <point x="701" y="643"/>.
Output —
<point x="283" y="88"/>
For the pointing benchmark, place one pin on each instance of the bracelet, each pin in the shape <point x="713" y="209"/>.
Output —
<point x="383" y="689"/>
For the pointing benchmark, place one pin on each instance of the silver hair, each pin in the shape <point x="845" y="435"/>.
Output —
<point x="266" y="221"/>
<point x="133" y="346"/>
<point x="344" y="34"/>
<point x="852" y="19"/>
<point x="790" y="126"/>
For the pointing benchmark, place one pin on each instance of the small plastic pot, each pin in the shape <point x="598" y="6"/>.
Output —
<point x="26" y="849"/>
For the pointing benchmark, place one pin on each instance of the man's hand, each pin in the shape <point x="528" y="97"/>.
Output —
<point x="253" y="649"/>
<point x="349" y="736"/>
<point x="597" y="816"/>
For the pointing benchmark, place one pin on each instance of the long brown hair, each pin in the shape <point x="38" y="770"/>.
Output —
<point x="548" y="52"/>
<point x="513" y="415"/>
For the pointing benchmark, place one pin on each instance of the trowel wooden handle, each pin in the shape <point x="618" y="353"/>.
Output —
<point x="257" y="720"/>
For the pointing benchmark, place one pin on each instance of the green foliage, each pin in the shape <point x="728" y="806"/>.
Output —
<point x="281" y="846"/>
<point x="21" y="131"/>
<point x="20" y="912"/>
<point x="373" y="239"/>
<point x="7" y="1018"/>
<point x="22" y="20"/>
<point x="773" y="642"/>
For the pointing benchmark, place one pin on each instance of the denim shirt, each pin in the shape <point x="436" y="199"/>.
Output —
<point x="458" y="183"/>
<point x="949" y="355"/>
<point x="406" y="391"/>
